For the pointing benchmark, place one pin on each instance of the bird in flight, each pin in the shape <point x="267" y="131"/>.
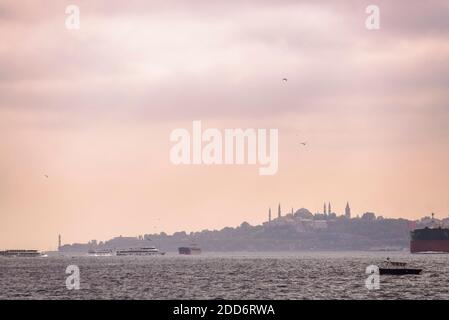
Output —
<point x="285" y="79"/>
<point x="303" y="143"/>
<point x="46" y="176"/>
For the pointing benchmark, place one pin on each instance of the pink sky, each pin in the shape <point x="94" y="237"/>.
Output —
<point x="93" y="110"/>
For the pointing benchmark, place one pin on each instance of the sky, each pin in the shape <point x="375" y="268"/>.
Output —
<point x="86" y="114"/>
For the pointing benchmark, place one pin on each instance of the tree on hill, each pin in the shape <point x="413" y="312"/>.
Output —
<point x="370" y="216"/>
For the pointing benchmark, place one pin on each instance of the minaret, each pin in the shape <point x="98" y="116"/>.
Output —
<point x="347" y="211"/>
<point x="59" y="242"/>
<point x="269" y="215"/>
<point x="329" y="210"/>
<point x="324" y="209"/>
<point x="279" y="210"/>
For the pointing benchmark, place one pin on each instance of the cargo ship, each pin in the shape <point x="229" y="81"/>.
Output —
<point x="21" y="253"/>
<point x="193" y="249"/>
<point x="429" y="240"/>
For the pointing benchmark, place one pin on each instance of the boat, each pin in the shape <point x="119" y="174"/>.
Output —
<point x="397" y="268"/>
<point x="191" y="250"/>
<point x="429" y="240"/>
<point x="101" y="253"/>
<point x="142" y="251"/>
<point x="21" y="253"/>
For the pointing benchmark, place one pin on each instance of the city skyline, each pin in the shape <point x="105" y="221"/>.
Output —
<point x="281" y="216"/>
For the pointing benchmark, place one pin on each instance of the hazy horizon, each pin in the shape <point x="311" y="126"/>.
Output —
<point x="86" y="114"/>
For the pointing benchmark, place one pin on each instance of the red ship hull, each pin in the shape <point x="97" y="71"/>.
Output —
<point x="417" y="246"/>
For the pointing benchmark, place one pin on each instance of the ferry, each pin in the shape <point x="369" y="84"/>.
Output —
<point x="22" y="253"/>
<point x="191" y="250"/>
<point x="397" y="268"/>
<point x="101" y="253"/>
<point x="143" y="251"/>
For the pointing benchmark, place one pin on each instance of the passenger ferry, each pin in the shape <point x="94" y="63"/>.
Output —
<point x="21" y="253"/>
<point x="101" y="253"/>
<point x="143" y="251"/>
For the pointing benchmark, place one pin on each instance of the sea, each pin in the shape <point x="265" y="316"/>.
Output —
<point x="308" y="275"/>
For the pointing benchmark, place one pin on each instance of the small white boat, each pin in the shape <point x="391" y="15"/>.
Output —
<point x="21" y="253"/>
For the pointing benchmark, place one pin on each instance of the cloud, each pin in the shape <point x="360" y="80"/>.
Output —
<point x="150" y="60"/>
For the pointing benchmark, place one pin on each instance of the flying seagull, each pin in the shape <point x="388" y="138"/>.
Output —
<point x="303" y="143"/>
<point x="285" y="79"/>
<point x="46" y="176"/>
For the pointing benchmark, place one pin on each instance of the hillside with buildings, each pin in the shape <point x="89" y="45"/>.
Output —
<point x="299" y="230"/>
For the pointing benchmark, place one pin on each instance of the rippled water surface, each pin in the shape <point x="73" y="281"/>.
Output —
<point x="230" y="276"/>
